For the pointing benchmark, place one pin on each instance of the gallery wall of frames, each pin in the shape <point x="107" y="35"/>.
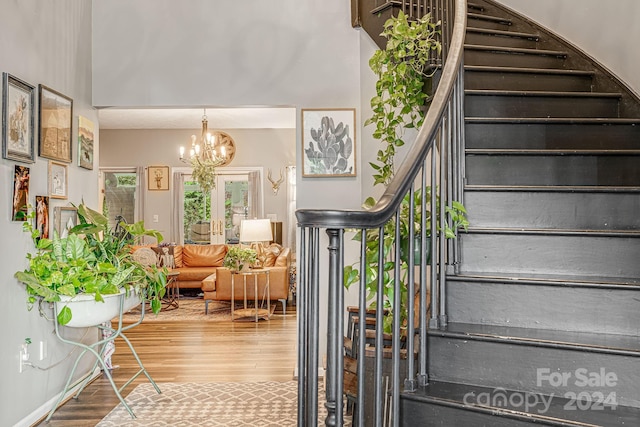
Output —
<point x="43" y="117"/>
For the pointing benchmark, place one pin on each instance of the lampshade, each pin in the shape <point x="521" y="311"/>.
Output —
<point x="255" y="230"/>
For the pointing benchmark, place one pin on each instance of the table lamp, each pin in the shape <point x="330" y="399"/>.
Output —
<point x="256" y="232"/>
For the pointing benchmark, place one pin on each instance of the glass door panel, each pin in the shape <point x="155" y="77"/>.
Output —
<point x="197" y="214"/>
<point x="231" y="197"/>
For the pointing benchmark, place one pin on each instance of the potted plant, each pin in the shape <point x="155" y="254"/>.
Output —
<point x="239" y="258"/>
<point x="403" y="68"/>
<point x="91" y="260"/>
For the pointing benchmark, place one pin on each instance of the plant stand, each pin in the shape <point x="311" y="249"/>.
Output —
<point x="98" y="349"/>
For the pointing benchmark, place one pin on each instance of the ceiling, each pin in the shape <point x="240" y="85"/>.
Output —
<point x="191" y="118"/>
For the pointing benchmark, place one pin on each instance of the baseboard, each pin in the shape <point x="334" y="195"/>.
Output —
<point x="37" y="416"/>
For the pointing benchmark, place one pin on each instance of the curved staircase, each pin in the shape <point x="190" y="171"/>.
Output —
<point x="544" y="310"/>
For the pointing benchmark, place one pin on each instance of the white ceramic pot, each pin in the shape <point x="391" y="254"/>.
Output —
<point x="86" y="311"/>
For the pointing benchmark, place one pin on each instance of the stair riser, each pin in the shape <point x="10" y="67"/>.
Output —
<point x="552" y="136"/>
<point x="418" y="414"/>
<point x="503" y="59"/>
<point x="525" y="81"/>
<point x="552" y="170"/>
<point x="598" y="310"/>
<point x="483" y="39"/>
<point x="581" y="255"/>
<point x="483" y="23"/>
<point x="539" y="106"/>
<point x="553" y="210"/>
<point x="527" y="368"/>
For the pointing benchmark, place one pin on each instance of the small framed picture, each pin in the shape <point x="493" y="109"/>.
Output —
<point x="85" y="143"/>
<point x="42" y="216"/>
<point x="58" y="180"/>
<point x="21" y="178"/>
<point x="18" y="100"/>
<point x="66" y="217"/>
<point x="328" y="142"/>
<point x="158" y="178"/>
<point x="56" y="114"/>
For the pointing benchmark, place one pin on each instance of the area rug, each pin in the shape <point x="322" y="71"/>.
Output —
<point x="212" y="404"/>
<point x="189" y="309"/>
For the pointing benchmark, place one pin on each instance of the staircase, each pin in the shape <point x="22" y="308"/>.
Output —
<point x="544" y="310"/>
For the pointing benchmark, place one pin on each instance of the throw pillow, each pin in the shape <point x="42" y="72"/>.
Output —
<point x="272" y="252"/>
<point x="164" y="256"/>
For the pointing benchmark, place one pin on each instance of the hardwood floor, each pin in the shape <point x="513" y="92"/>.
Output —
<point x="190" y="352"/>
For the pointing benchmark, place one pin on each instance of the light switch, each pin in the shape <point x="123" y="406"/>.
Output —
<point x="155" y="218"/>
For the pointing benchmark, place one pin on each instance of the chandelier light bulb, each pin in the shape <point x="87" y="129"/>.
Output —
<point x="181" y="152"/>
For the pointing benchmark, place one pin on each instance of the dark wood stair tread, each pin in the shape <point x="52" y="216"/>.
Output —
<point x="483" y="17"/>
<point x="627" y="345"/>
<point x="517" y="50"/>
<point x="556" y="120"/>
<point x="548" y="279"/>
<point x="550" y="94"/>
<point x="547" y="152"/>
<point x="553" y="231"/>
<point x="548" y="71"/>
<point x="489" y="31"/>
<point x="453" y="395"/>
<point x="550" y="188"/>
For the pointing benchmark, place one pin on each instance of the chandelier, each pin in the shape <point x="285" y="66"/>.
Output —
<point x="214" y="149"/>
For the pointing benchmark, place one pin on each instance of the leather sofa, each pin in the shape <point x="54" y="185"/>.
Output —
<point x="277" y="262"/>
<point x="195" y="263"/>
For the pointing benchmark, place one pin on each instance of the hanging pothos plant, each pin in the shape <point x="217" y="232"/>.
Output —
<point x="402" y="70"/>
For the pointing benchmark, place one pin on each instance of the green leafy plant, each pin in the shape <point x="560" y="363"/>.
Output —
<point x="456" y="215"/>
<point x="402" y="68"/>
<point x="238" y="257"/>
<point x="90" y="260"/>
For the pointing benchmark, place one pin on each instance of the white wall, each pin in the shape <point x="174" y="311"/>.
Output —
<point x="302" y="54"/>
<point x="267" y="148"/>
<point x="49" y="43"/>
<point x="608" y="31"/>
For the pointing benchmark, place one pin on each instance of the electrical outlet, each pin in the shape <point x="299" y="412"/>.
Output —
<point x="43" y="350"/>
<point x="23" y="356"/>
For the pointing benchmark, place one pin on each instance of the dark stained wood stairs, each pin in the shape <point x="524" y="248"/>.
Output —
<point x="544" y="309"/>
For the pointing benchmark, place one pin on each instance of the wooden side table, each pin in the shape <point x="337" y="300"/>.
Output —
<point x="256" y="311"/>
<point x="170" y="299"/>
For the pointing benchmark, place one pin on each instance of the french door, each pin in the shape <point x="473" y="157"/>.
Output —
<point x="215" y="218"/>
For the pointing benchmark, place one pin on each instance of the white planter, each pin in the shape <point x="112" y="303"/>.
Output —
<point x="86" y="311"/>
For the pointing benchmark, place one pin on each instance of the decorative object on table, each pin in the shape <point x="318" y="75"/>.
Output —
<point x="85" y="143"/>
<point x="275" y="185"/>
<point x="56" y="115"/>
<point x="92" y="260"/>
<point x="328" y="142"/>
<point x="42" y="217"/>
<point x="58" y="181"/>
<point x="239" y="258"/>
<point x="65" y="218"/>
<point x="214" y="149"/>
<point x="158" y="178"/>
<point x="256" y="232"/>
<point x="18" y="123"/>
<point x="20" y="203"/>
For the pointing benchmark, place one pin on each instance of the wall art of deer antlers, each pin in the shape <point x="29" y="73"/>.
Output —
<point x="275" y="185"/>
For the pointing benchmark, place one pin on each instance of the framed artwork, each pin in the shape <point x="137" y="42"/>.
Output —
<point x="328" y="142"/>
<point x="56" y="114"/>
<point x="66" y="218"/>
<point x="20" y="193"/>
<point x="85" y="143"/>
<point x="158" y="178"/>
<point x="18" y="100"/>
<point x="42" y="217"/>
<point x="58" y="180"/>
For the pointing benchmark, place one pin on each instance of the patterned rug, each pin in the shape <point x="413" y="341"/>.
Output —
<point x="213" y="404"/>
<point x="191" y="309"/>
